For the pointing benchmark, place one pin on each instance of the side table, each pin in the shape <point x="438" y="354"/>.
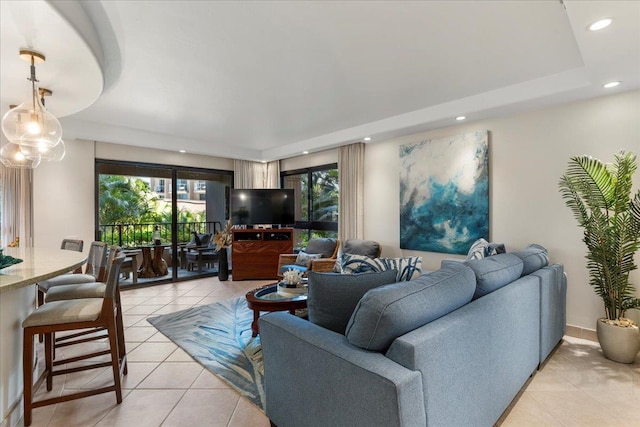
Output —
<point x="267" y="298"/>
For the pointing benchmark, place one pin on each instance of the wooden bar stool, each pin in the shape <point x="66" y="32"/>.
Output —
<point x="90" y="290"/>
<point x="68" y="315"/>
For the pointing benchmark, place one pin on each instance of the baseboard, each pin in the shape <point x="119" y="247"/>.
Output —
<point x="584" y="333"/>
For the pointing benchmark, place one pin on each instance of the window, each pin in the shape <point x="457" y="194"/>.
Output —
<point x="316" y="191"/>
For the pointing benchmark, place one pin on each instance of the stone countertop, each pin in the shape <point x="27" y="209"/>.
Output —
<point x="38" y="264"/>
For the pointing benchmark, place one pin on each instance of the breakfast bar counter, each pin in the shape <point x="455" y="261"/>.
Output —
<point x="17" y="301"/>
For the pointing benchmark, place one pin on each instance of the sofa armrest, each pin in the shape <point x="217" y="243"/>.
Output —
<point x="314" y="377"/>
<point x="323" y="265"/>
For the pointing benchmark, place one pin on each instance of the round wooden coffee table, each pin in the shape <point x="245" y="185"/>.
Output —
<point x="267" y="298"/>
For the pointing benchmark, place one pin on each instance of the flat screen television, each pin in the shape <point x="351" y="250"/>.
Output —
<point x="262" y="206"/>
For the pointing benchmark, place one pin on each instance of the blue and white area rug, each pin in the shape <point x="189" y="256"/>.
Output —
<point x="218" y="336"/>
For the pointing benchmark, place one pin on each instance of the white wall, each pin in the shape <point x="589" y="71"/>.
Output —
<point x="528" y="153"/>
<point x="63" y="197"/>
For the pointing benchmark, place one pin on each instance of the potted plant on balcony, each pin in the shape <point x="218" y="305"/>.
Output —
<point x="601" y="199"/>
<point x="222" y="240"/>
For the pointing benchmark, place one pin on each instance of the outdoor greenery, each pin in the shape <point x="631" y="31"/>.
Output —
<point x="600" y="197"/>
<point x="130" y="204"/>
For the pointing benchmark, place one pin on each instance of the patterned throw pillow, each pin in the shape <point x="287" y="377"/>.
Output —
<point x="408" y="268"/>
<point x="481" y="249"/>
<point x="354" y="264"/>
<point x="304" y="258"/>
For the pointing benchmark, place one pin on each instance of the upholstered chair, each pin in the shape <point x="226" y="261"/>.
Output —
<point x="319" y="255"/>
<point x="369" y="248"/>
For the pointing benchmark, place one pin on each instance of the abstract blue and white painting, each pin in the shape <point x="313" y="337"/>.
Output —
<point x="444" y="193"/>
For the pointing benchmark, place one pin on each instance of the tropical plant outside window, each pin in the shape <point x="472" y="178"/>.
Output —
<point x="130" y="201"/>
<point x="317" y="193"/>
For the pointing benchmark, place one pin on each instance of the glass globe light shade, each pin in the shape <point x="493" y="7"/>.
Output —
<point x="44" y="152"/>
<point x="30" y="125"/>
<point x="12" y="156"/>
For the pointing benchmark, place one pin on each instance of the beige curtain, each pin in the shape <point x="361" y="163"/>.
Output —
<point x="351" y="178"/>
<point x="17" y="205"/>
<point x="248" y="174"/>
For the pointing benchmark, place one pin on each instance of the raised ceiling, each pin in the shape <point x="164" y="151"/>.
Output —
<point x="267" y="80"/>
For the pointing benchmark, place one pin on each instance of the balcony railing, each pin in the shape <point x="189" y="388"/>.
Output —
<point x="132" y="235"/>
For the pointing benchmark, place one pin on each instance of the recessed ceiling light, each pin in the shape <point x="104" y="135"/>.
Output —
<point x="367" y="138"/>
<point x="263" y="161"/>
<point x="600" y="24"/>
<point x="183" y="151"/>
<point x="610" y="85"/>
<point x="460" y="118"/>
<point x="305" y="152"/>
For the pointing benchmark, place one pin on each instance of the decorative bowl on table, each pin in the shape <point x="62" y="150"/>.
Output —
<point x="292" y="290"/>
<point x="7" y="261"/>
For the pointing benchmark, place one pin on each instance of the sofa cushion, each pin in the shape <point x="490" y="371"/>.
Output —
<point x="408" y="268"/>
<point x="494" y="272"/>
<point x="324" y="246"/>
<point x="332" y="297"/>
<point x="534" y="258"/>
<point x="387" y="312"/>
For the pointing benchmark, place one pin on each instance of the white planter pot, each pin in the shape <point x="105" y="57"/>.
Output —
<point x="618" y="343"/>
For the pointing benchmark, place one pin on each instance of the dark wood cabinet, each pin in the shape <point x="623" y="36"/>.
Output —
<point x="255" y="253"/>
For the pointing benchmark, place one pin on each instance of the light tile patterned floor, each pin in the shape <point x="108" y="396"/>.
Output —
<point x="165" y="387"/>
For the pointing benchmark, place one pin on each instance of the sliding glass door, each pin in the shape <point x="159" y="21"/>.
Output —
<point x="163" y="217"/>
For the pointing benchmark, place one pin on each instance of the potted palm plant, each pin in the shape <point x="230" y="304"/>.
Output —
<point x="601" y="199"/>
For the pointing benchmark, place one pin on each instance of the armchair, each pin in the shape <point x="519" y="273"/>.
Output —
<point x="326" y="247"/>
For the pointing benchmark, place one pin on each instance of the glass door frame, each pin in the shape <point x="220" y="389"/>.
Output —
<point x="174" y="170"/>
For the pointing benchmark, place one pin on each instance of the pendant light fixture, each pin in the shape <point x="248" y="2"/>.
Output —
<point x="12" y="156"/>
<point x="30" y="124"/>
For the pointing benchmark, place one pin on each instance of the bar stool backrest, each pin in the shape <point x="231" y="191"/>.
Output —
<point x="72" y="245"/>
<point x="97" y="260"/>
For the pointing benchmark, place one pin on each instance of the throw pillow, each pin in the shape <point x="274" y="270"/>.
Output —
<point x="481" y="249"/>
<point x="408" y="268"/>
<point x="304" y="258"/>
<point x="354" y="264"/>
<point x="200" y="239"/>
<point x="332" y="297"/>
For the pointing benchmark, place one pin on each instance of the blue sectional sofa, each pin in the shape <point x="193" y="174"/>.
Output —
<point x="450" y="348"/>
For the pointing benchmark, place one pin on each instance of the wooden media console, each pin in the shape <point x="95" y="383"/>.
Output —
<point x="255" y="252"/>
